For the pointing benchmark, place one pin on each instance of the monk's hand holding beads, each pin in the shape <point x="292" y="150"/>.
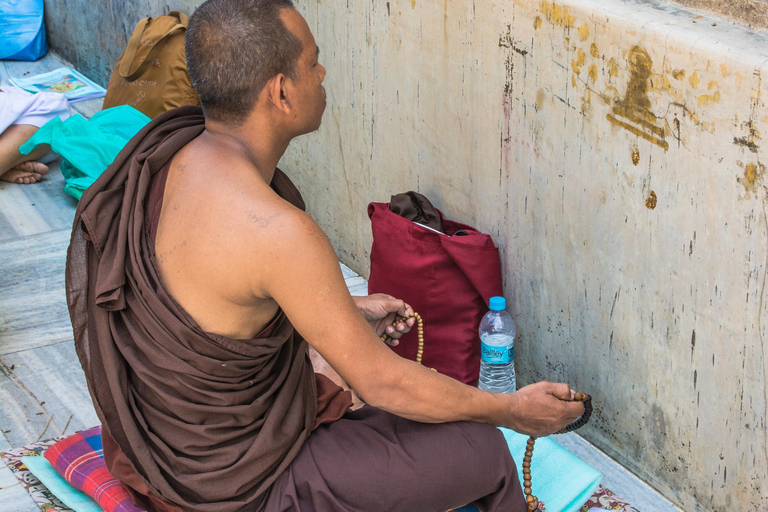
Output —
<point x="532" y="502"/>
<point x="389" y="317"/>
<point x="542" y="408"/>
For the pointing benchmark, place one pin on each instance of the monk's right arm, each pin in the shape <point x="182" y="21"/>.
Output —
<point x="303" y="275"/>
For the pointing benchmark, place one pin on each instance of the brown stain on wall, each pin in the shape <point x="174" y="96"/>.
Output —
<point x="753" y="175"/>
<point x="593" y="72"/>
<point x="613" y="68"/>
<point x="578" y="61"/>
<point x="706" y="99"/>
<point x="633" y="111"/>
<point x="507" y="41"/>
<point x="749" y="141"/>
<point x="694" y="80"/>
<point x="635" y="154"/>
<point x="594" y="51"/>
<point x="557" y="14"/>
<point x="540" y="99"/>
<point x="664" y="86"/>
<point x="678" y="74"/>
<point x="537" y="23"/>
<point x="650" y="202"/>
<point x="584" y="32"/>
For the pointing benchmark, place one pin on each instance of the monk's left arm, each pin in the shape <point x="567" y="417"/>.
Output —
<point x="305" y="279"/>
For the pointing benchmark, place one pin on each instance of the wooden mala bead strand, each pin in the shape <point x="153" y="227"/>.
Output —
<point x="531" y="500"/>
<point x="584" y="418"/>
<point x="420" y="327"/>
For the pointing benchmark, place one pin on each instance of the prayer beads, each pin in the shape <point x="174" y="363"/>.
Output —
<point x="531" y="500"/>
<point x="420" y="326"/>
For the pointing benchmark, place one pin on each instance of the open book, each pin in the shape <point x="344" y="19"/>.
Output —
<point x="67" y="81"/>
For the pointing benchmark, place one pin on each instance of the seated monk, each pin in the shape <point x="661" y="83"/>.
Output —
<point x="196" y="284"/>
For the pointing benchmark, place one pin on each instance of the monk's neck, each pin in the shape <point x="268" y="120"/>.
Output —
<point x="258" y="145"/>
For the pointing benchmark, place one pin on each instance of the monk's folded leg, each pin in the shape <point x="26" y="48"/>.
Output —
<point x="371" y="460"/>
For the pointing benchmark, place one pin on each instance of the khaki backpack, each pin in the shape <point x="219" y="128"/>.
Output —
<point x="151" y="74"/>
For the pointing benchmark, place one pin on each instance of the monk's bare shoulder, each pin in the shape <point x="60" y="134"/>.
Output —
<point x="231" y="227"/>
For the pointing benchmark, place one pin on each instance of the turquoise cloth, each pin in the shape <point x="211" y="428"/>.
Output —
<point x="68" y="495"/>
<point x="87" y="147"/>
<point x="560" y="480"/>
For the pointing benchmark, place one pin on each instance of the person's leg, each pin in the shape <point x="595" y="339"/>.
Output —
<point x="371" y="460"/>
<point x="18" y="168"/>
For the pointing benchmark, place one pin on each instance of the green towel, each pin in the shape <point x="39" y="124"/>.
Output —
<point x="68" y="495"/>
<point x="87" y="147"/>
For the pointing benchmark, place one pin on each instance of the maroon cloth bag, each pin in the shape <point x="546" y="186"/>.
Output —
<point x="447" y="278"/>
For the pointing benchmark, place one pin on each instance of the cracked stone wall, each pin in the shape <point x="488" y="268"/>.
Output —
<point x="615" y="151"/>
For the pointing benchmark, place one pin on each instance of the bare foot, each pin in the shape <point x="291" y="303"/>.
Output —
<point x="25" y="173"/>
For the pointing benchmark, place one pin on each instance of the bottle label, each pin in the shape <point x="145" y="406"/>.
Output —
<point x="497" y="355"/>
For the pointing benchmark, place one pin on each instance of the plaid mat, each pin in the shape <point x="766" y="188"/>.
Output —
<point x="602" y="499"/>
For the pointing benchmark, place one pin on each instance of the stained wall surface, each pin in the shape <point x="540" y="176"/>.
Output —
<point x="615" y="151"/>
<point x="92" y="35"/>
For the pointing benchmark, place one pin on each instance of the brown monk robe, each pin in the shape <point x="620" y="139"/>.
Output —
<point x="198" y="421"/>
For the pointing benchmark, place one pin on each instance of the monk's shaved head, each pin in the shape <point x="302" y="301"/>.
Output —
<point x="233" y="48"/>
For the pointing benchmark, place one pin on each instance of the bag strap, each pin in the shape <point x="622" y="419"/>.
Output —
<point x="133" y="46"/>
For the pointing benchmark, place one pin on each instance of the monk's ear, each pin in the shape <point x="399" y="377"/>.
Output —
<point x="276" y="92"/>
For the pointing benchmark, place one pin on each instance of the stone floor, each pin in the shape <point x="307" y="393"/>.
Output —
<point x="42" y="388"/>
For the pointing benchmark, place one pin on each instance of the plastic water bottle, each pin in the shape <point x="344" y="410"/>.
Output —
<point x="497" y="343"/>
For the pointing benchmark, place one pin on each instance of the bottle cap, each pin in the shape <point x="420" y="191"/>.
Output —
<point x="497" y="303"/>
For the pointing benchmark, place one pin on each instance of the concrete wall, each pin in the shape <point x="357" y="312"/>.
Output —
<point x="615" y="152"/>
<point x="92" y="35"/>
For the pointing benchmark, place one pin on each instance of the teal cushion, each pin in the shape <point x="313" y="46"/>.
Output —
<point x="68" y="495"/>
<point x="558" y="478"/>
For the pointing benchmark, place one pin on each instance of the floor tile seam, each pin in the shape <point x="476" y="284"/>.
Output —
<point x="51" y="344"/>
<point x="20" y="238"/>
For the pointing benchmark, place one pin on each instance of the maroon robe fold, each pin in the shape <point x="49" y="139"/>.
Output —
<point x="206" y="421"/>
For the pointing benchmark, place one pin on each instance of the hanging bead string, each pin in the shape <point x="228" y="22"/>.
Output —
<point x="531" y="500"/>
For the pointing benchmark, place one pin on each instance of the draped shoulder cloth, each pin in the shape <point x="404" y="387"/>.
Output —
<point x="207" y="421"/>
